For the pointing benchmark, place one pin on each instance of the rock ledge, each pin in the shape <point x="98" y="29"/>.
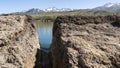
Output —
<point x="18" y="42"/>
<point x="86" y="42"/>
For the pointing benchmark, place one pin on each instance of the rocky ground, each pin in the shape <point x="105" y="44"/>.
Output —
<point x="78" y="42"/>
<point x="86" y="42"/>
<point x="18" y="42"/>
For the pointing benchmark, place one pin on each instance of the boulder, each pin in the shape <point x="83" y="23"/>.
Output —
<point x="86" y="42"/>
<point x="18" y="42"/>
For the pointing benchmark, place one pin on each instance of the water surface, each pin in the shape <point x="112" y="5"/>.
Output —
<point x="45" y="33"/>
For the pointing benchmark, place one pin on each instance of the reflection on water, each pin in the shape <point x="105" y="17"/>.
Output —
<point x="45" y="33"/>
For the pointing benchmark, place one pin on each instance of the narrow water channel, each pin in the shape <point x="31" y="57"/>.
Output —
<point x="45" y="39"/>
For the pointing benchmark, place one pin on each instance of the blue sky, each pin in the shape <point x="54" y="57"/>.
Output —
<point x="7" y="6"/>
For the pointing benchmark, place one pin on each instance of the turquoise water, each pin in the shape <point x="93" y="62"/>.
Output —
<point x="45" y="33"/>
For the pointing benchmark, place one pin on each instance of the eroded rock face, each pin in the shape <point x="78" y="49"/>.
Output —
<point x="86" y="42"/>
<point x="18" y="42"/>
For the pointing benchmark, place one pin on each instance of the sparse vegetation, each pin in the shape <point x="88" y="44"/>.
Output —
<point x="51" y="16"/>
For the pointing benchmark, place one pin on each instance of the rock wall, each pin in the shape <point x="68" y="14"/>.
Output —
<point x="18" y="42"/>
<point x="86" y="42"/>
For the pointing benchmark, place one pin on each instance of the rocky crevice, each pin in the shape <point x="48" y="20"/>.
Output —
<point x="44" y="59"/>
<point x="78" y="42"/>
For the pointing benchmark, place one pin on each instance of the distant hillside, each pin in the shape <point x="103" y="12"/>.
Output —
<point x="33" y="11"/>
<point x="51" y="16"/>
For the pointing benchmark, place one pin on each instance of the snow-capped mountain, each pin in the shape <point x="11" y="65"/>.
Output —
<point x="54" y="9"/>
<point x="51" y="9"/>
<point x="106" y="7"/>
<point x="66" y="9"/>
<point x="109" y="7"/>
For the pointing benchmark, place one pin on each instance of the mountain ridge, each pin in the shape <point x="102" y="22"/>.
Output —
<point x="106" y="7"/>
<point x="50" y="9"/>
<point x="109" y="7"/>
